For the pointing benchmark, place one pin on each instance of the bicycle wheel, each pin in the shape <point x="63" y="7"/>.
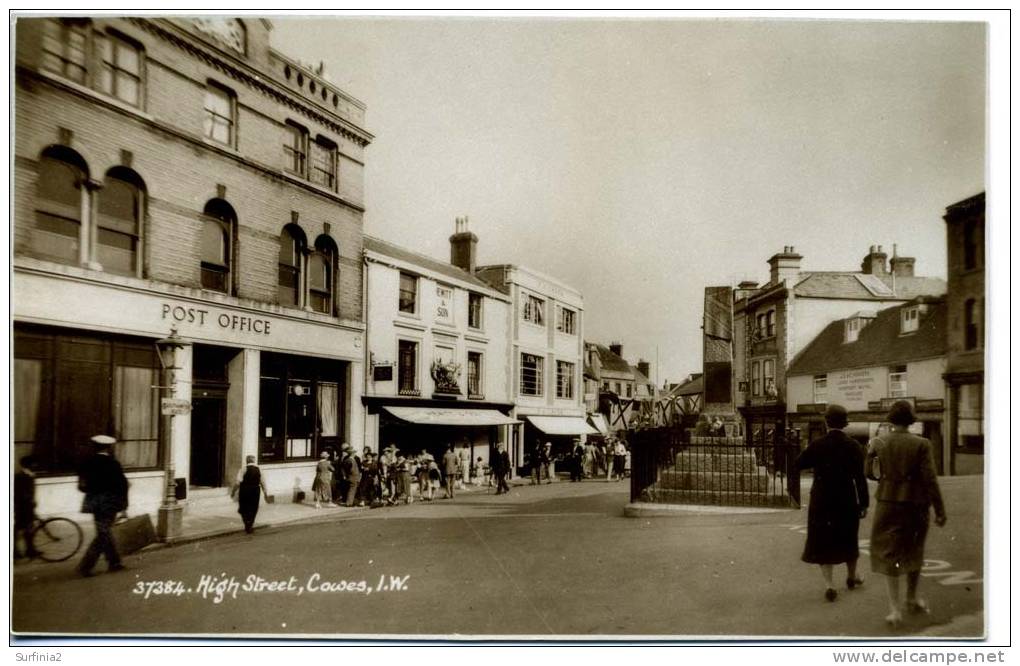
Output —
<point x="57" y="539"/>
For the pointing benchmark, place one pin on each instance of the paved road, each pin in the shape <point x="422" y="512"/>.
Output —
<point x="550" y="560"/>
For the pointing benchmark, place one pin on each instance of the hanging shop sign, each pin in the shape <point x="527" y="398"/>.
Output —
<point x="175" y="406"/>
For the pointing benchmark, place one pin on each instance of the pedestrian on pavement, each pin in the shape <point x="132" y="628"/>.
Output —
<point x="907" y="490"/>
<point x="451" y="466"/>
<point x="600" y="458"/>
<point x="576" y="460"/>
<point x="465" y="464"/>
<point x="620" y="459"/>
<point x="24" y="506"/>
<point x="589" y="460"/>
<point x="102" y="480"/>
<point x="247" y="487"/>
<point x="424" y="484"/>
<point x="546" y="459"/>
<point x="387" y="472"/>
<point x="403" y="480"/>
<point x="610" y="457"/>
<point x="478" y="478"/>
<point x="535" y="460"/>
<point x="369" y="491"/>
<point x="322" y="486"/>
<point x="839" y="500"/>
<point x="501" y="469"/>
<point x="351" y="467"/>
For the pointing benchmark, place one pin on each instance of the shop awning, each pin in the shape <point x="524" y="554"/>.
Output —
<point x="450" y="416"/>
<point x="599" y="423"/>
<point x="562" y="425"/>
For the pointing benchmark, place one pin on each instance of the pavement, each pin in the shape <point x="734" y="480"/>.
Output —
<point x="551" y="561"/>
<point x="210" y="519"/>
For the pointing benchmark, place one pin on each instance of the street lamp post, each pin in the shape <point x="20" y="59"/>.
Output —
<point x="170" y="512"/>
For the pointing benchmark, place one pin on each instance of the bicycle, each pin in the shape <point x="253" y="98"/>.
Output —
<point x="54" y="539"/>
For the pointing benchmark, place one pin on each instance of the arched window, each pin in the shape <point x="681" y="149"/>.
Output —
<point x="292" y="248"/>
<point x="121" y="205"/>
<point x="321" y="275"/>
<point x="972" y="316"/>
<point x="58" y="215"/>
<point x="217" y="245"/>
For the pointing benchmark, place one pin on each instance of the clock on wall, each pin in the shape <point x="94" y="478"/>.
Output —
<point x="227" y="31"/>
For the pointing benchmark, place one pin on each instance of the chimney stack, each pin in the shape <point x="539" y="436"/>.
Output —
<point x="616" y="348"/>
<point x="463" y="246"/>
<point x="901" y="266"/>
<point x="874" y="262"/>
<point x="784" y="265"/>
<point x="643" y="367"/>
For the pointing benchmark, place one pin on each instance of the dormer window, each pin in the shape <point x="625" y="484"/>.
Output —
<point x="853" y="329"/>
<point x="909" y="318"/>
<point x="853" y="326"/>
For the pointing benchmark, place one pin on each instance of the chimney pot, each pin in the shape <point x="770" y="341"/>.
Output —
<point x="463" y="246"/>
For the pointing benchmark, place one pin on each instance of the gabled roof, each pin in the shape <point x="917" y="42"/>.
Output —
<point x="611" y="361"/>
<point x="426" y="263"/>
<point x="914" y="286"/>
<point x="693" y="386"/>
<point x="864" y="286"/>
<point x="878" y="343"/>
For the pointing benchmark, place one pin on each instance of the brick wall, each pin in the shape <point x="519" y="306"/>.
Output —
<point x="181" y="171"/>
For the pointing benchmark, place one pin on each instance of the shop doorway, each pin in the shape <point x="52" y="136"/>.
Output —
<point x="210" y="384"/>
<point x="208" y="442"/>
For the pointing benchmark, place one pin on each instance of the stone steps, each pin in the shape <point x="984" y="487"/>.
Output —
<point x="712" y="497"/>
<point x="755" y="480"/>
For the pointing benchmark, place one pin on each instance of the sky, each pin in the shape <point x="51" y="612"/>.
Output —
<point x="643" y="160"/>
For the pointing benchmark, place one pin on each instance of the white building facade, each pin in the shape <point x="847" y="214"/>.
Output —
<point x="546" y="358"/>
<point x="436" y="356"/>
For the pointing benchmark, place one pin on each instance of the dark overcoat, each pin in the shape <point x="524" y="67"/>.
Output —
<point x="838" y="494"/>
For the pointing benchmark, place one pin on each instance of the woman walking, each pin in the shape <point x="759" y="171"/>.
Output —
<point x="424" y="483"/>
<point x="247" y="488"/>
<point x="907" y="489"/>
<point x="322" y="486"/>
<point x="839" y="499"/>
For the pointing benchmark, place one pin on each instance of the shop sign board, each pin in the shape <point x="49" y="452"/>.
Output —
<point x="853" y="388"/>
<point x="175" y="406"/>
<point x="444" y="304"/>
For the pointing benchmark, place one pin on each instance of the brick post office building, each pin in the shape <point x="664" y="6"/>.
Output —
<point x="183" y="173"/>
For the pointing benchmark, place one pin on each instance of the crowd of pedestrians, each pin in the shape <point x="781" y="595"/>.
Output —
<point x="591" y="460"/>
<point x="389" y="478"/>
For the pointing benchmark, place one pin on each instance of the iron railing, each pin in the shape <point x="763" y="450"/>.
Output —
<point x="670" y="466"/>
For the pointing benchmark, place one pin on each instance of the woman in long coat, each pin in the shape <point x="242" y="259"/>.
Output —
<point x="322" y="486"/>
<point x="907" y="489"/>
<point x="839" y="499"/>
<point x="247" y="488"/>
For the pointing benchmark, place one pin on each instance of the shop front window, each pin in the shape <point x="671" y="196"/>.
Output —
<point x="299" y="407"/>
<point x="72" y="385"/>
<point x="970" y="433"/>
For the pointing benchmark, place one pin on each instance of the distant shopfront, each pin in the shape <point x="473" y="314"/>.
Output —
<point x="416" y="425"/>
